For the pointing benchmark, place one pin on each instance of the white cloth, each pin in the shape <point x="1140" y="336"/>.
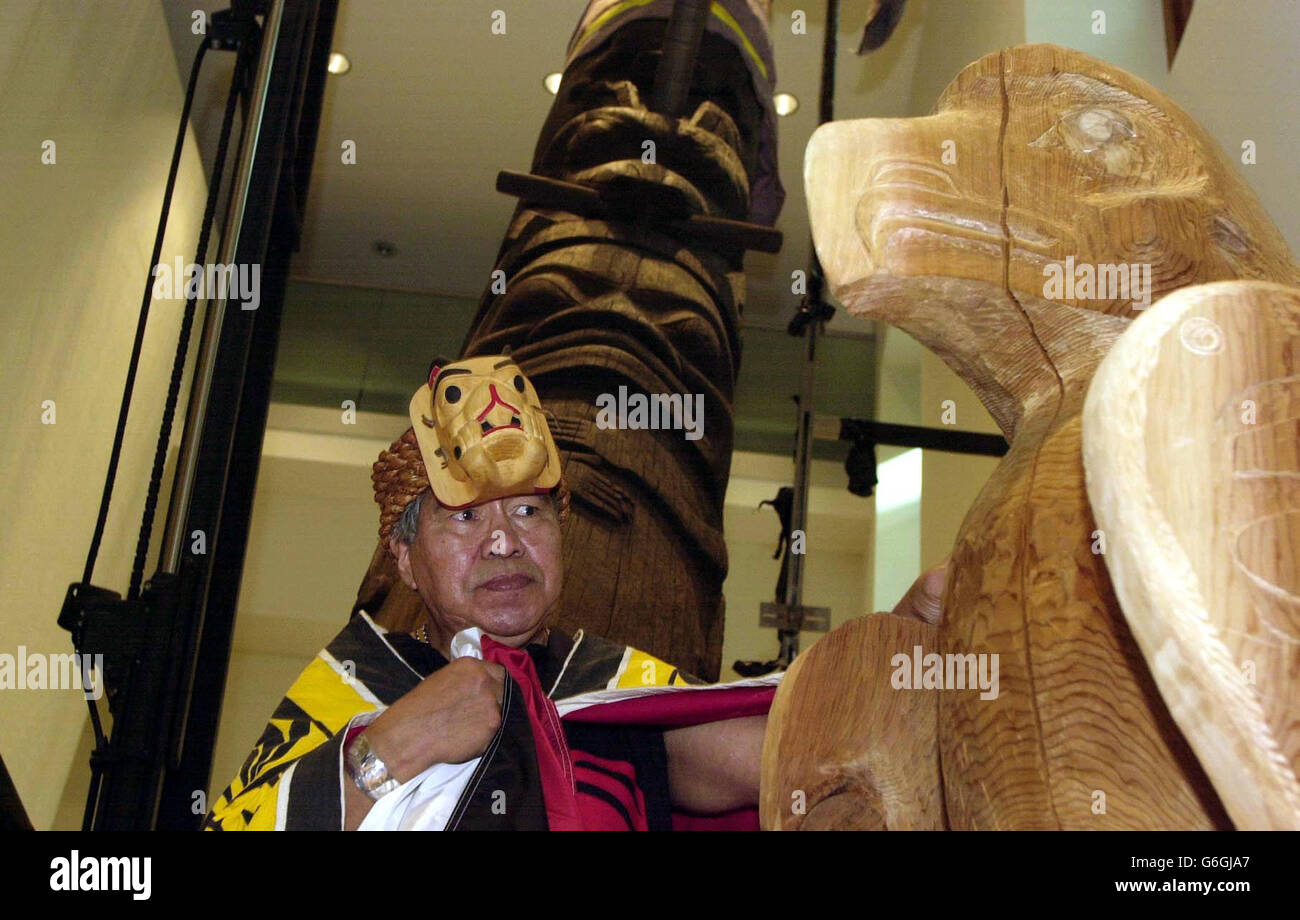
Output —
<point x="425" y="802"/>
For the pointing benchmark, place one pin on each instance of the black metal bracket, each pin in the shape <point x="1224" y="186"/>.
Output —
<point x="810" y="310"/>
<point x="956" y="442"/>
<point x="231" y="28"/>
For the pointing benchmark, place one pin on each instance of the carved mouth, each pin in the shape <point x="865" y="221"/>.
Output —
<point x="489" y="428"/>
<point x="504" y="447"/>
<point x="909" y="195"/>
<point x="964" y="236"/>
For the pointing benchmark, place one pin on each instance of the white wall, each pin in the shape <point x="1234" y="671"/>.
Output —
<point x="74" y="250"/>
<point x="897" y="558"/>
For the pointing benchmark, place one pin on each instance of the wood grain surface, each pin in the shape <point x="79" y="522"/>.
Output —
<point x="948" y="227"/>
<point x="845" y="749"/>
<point x="1192" y="449"/>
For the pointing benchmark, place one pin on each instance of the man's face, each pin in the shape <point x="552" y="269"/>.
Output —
<point x="497" y="565"/>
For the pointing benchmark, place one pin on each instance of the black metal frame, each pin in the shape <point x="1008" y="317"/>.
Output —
<point x="167" y="653"/>
<point x="234" y="422"/>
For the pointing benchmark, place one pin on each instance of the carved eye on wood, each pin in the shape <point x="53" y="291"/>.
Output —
<point x="1101" y="135"/>
<point x="451" y="394"/>
<point x="1092" y="129"/>
<point x="519" y="383"/>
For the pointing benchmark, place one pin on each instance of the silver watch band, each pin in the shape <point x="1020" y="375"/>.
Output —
<point x="367" y="770"/>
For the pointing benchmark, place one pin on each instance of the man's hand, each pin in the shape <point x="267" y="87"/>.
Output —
<point x="449" y="718"/>
<point x="924" y="599"/>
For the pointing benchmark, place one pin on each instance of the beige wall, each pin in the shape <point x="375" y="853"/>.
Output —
<point x="1133" y="36"/>
<point x="955" y="34"/>
<point x="74" y="249"/>
<point x="1237" y="73"/>
<point x="313" y="529"/>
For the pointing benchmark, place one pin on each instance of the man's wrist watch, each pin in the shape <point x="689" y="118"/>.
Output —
<point x="367" y="770"/>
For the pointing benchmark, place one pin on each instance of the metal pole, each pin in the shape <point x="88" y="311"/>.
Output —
<point x="174" y="536"/>
<point x="803" y="435"/>
<point x="681" y="47"/>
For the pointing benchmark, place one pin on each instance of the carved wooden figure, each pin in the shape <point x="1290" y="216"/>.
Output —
<point x="1191" y="441"/>
<point x="1016" y="232"/>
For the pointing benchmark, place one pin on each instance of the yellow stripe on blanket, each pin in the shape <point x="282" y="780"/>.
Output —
<point x="639" y="669"/>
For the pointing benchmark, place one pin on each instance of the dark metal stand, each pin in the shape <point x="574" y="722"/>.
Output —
<point x="788" y="609"/>
<point x="167" y="650"/>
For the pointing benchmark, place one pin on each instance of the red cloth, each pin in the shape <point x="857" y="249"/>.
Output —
<point x="681" y="708"/>
<point x="568" y="808"/>
<point x="678" y="710"/>
<point x="554" y="762"/>
<point x="609" y="793"/>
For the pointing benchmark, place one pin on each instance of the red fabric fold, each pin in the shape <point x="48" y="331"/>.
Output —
<point x="554" y="763"/>
<point x="680" y="708"/>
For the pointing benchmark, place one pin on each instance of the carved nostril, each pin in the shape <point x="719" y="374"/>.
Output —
<point x="487" y="426"/>
<point x="514" y="420"/>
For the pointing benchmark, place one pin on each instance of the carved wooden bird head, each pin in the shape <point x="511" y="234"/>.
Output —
<point x="1037" y="162"/>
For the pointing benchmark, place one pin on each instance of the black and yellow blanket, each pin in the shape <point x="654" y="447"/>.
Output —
<point x="294" y="776"/>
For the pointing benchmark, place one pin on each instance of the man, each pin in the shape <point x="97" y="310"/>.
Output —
<point x="486" y="717"/>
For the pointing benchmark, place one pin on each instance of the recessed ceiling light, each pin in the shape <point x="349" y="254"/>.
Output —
<point x="552" y="82"/>
<point x="338" y="63"/>
<point x="784" y="103"/>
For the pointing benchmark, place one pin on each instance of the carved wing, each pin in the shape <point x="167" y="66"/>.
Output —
<point x="1191" y="440"/>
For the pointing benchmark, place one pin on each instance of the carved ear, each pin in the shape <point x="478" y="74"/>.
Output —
<point x="505" y="350"/>
<point x="436" y="365"/>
